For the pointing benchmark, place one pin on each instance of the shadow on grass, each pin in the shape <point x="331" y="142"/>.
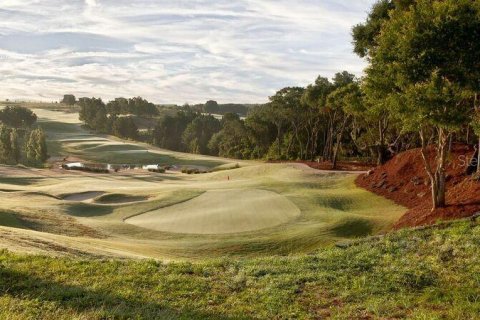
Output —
<point x="88" y="210"/>
<point x="353" y="228"/>
<point x="20" y="181"/>
<point x="96" y="303"/>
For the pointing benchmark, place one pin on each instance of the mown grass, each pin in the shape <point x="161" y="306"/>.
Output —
<point x="417" y="274"/>
<point x="66" y="137"/>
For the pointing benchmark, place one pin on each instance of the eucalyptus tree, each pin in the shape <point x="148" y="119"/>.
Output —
<point x="345" y="102"/>
<point x="429" y="55"/>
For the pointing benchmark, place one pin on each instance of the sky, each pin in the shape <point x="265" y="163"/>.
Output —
<point x="181" y="51"/>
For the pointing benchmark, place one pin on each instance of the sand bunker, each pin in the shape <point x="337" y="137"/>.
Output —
<point x="82" y="196"/>
<point x="221" y="212"/>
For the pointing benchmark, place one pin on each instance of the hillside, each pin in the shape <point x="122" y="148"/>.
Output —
<point x="406" y="274"/>
<point x="403" y="179"/>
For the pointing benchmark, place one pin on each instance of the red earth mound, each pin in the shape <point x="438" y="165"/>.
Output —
<point x="403" y="179"/>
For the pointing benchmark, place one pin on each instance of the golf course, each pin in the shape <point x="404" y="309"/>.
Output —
<point x="237" y="208"/>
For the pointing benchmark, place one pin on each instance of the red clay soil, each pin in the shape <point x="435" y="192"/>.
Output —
<point x="403" y="179"/>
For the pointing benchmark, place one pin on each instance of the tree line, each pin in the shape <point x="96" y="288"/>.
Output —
<point x="20" y="140"/>
<point x="420" y="89"/>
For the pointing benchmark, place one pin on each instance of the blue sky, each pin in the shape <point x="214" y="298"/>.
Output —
<point x="173" y="51"/>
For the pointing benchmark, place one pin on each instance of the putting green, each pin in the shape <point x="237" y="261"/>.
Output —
<point x="221" y="212"/>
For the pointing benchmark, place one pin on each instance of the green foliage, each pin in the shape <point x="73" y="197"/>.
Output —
<point x="136" y="106"/>
<point x="417" y="274"/>
<point x="36" y="147"/>
<point x="198" y="133"/>
<point x="124" y="127"/>
<point x="211" y="107"/>
<point x="17" y="117"/>
<point x="233" y="140"/>
<point x="69" y="100"/>
<point x="169" y="130"/>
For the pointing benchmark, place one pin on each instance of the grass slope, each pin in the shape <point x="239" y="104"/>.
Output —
<point x="418" y="274"/>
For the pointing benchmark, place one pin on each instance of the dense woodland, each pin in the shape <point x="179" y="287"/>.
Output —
<point x="420" y="89"/>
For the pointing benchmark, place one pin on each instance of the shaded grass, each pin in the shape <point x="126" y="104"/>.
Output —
<point x="10" y="219"/>
<point x="353" y="228"/>
<point x="87" y="210"/>
<point x="20" y="181"/>
<point x="113" y="198"/>
<point x="418" y="274"/>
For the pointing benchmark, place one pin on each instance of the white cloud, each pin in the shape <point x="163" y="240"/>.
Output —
<point x="173" y="51"/>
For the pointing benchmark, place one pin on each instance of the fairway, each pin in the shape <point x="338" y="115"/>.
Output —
<point x="244" y="208"/>
<point x="221" y="212"/>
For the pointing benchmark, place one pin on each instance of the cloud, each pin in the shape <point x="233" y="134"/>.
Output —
<point x="173" y="51"/>
<point x="91" y="3"/>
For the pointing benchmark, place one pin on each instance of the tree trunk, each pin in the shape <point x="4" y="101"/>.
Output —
<point x="478" y="157"/>
<point x="438" y="176"/>
<point x="338" y="142"/>
<point x="279" y="150"/>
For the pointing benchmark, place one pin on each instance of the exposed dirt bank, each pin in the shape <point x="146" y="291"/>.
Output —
<point x="403" y="179"/>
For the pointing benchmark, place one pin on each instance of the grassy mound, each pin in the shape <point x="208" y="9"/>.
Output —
<point x="221" y="212"/>
<point x="421" y="274"/>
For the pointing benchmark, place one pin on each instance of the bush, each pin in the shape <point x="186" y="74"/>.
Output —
<point x="193" y="171"/>
<point x="86" y="169"/>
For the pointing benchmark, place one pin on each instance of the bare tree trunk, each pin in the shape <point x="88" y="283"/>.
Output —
<point x="279" y="150"/>
<point x="476" y="107"/>
<point x="338" y="142"/>
<point x="478" y="157"/>
<point x="437" y="177"/>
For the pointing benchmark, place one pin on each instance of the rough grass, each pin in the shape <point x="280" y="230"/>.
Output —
<point x="422" y="274"/>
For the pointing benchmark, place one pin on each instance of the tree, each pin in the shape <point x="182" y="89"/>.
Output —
<point x="36" y="147"/>
<point x="15" y="146"/>
<point x="315" y="98"/>
<point x="5" y="145"/>
<point x="233" y="140"/>
<point x="199" y="132"/>
<point x="169" y="130"/>
<point x="88" y="110"/>
<point x="365" y="34"/>
<point x="430" y="57"/>
<point x="346" y="101"/>
<point x="124" y="127"/>
<point x="211" y="106"/>
<point x="18" y="117"/>
<point x="142" y="107"/>
<point x="69" y="100"/>
<point x="281" y="109"/>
